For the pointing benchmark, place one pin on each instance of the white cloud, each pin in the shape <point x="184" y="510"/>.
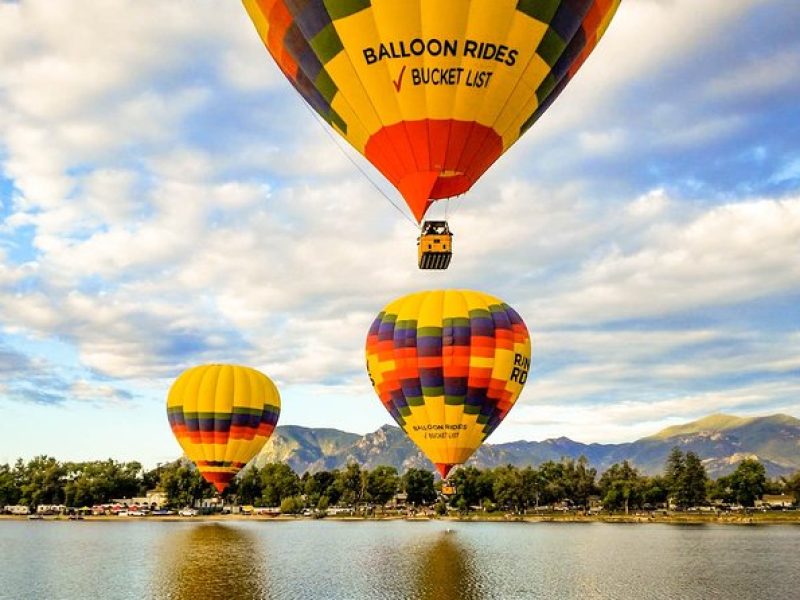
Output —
<point x="731" y="253"/>
<point x="646" y="39"/>
<point x="633" y="419"/>
<point x="185" y="207"/>
<point x="87" y="391"/>
<point x="761" y="75"/>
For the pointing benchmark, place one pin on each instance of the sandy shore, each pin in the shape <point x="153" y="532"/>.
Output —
<point x="773" y="517"/>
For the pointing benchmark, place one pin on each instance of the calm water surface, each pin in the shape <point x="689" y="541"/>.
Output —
<point x="403" y="560"/>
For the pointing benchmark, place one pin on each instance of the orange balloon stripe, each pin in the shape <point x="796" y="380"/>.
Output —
<point x="436" y="158"/>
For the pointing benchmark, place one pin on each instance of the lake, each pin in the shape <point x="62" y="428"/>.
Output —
<point x="395" y="559"/>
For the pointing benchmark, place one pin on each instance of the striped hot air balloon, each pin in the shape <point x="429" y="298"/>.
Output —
<point x="431" y="92"/>
<point x="448" y="366"/>
<point x="222" y="415"/>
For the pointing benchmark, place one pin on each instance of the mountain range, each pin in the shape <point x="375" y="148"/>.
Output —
<point x="721" y="441"/>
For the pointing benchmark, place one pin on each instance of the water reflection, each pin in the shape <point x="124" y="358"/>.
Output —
<point x="210" y="561"/>
<point x="446" y="569"/>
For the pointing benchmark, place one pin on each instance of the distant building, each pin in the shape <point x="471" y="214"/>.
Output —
<point x="51" y="509"/>
<point x="339" y="510"/>
<point x="152" y="500"/>
<point x="398" y="502"/>
<point x="16" y="509"/>
<point x="209" y="503"/>
<point x="775" y="501"/>
<point x="267" y="510"/>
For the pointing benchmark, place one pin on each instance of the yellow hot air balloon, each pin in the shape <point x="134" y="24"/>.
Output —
<point x="448" y="366"/>
<point x="222" y="415"/>
<point x="431" y="92"/>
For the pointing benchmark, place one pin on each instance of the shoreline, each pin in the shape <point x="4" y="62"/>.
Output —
<point x="768" y="518"/>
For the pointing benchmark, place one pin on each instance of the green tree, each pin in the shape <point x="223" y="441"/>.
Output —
<point x="100" y="481"/>
<point x="351" y="483"/>
<point x="621" y="487"/>
<point x="793" y="486"/>
<point x="673" y="473"/>
<point x="554" y="487"/>
<point x="655" y="491"/>
<point x="691" y="486"/>
<point x="382" y="484"/>
<point x="249" y="488"/>
<point x="418" y="484"/>
<point x="748" y="481"/>
<point x="292" y="505"/>
<point x="43" y="481"/>
<point x="278" y="481"/>
<point x="149" y="480"/>
<point x="473" y="485"/>
<point x="579" y="481"/>
<point x="320" y="484"/>
<point x="184" y="485"/>
<point x="722" y="489"/>
<point x="533" y="484"/>
<point x="509" y="491"/>
<point x="9" y="491"/>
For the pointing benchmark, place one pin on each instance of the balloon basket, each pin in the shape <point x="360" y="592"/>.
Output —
<point x="435" y="246"/>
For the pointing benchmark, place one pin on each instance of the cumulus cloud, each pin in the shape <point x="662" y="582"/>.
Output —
<point x="86" y="391"/>
<point x="177" y="204"/>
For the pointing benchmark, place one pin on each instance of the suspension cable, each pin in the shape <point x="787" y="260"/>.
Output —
<point x="334" y="139"/>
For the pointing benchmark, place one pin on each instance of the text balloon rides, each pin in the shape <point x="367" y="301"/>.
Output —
<point x="222" y="415"/>
<point x="448" y="366"/>
<point x="431" y="92"/>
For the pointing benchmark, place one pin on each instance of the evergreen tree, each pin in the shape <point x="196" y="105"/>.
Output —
<point x="692" y="484"/>
<point x="673" y="474"/>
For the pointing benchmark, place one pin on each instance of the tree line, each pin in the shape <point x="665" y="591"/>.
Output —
<point x="683" y="484"/>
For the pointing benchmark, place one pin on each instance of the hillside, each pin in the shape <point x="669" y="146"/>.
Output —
<point x="721" y="441"/>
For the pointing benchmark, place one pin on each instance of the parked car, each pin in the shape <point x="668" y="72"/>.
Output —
<point x="188" y="512"/>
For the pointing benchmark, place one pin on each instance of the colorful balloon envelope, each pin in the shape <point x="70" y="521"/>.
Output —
<point x="448" y="366"/>
<point x="431" y="92"/>
<point x="222" y="415"/>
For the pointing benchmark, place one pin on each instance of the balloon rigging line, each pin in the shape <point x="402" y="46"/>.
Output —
<point x="350" y="158"/>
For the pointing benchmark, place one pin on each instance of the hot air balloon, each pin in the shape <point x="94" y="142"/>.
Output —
<point x="448" y="366"/>
<point x="431" y="92"/>
<point x="222" y="415"/>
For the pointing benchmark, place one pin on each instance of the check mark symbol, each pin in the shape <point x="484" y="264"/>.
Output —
<point x="399" y="83"/>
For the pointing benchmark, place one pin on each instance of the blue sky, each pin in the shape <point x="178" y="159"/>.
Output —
<point x="166" y="200"/>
